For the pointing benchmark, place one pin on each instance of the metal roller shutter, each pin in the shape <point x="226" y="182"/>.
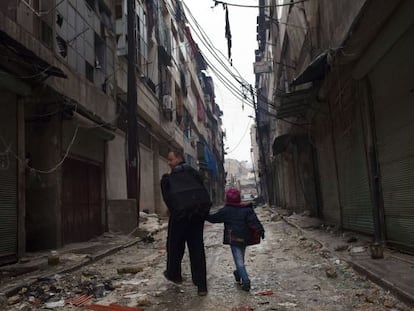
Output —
<point x="8" y="179"/>
<point x="327" y="174"/>
<point x="393" y="97"/>
<point x="355" y="197"/>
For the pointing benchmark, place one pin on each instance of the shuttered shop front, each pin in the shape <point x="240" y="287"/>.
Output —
<point x="393" y="97"/>
<point x="327" y="172"/>
<point x="8" y="178"/>
<point x="355" y="198"/>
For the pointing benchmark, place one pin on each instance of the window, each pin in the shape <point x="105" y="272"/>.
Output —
<point x="99" y="53"/>
<point x="89" y="71"/>
<point x="142" y="39"/>
<point x="118" y="11"/>
<point x="46" y="34"/>
<point x="62" y="46"/>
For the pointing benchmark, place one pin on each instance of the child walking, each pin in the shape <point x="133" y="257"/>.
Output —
<point x="241" y="228"/>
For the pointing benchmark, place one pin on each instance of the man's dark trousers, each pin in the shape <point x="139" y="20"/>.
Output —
<point x="181" y="231"/>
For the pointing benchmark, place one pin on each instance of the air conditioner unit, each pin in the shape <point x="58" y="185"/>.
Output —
<point x="167" y="103"/>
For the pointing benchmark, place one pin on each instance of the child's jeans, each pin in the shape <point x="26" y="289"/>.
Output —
<point x="238" y="252"/>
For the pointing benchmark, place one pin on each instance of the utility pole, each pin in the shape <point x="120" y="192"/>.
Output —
<point x="262" y="159"/>
<point x="132" y="133"/>
<point x="254" y="172"/>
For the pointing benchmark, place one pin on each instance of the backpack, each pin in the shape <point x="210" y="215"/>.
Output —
<point x="187" y="196"/>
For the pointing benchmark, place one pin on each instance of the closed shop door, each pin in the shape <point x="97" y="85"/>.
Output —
<point x="327" y="173"/>
<point x="355" y="198"/>
<point x="8" y="178"/>
<point x="81" y="201"/>
<point x="393" y="97"/>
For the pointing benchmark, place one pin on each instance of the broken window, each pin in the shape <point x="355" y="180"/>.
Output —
<point x="88" y="71"/>
<point x="62" y="46"/>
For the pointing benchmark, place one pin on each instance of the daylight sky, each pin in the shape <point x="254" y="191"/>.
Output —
<point x="211" y="20"/>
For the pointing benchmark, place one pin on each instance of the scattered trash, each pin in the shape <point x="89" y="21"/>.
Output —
<point x="325" y="253"/>
<point x="131" y="295"/>
<point x="14" y="299"/>
<point x="275" y="217"/>
<point x="357" y="249"/>
<point x="242" y="309"/>
<point x="317" y="266"/>
<point x="99" y="290"/>
<point x="111" y="307"/>
<point x="55" y="304"/>
<point x="148" y="238"/>
<point x="144" y="300"/>
<point x="351" y="239"/>
<point x="331" y="272"/>
<point x="266" y="292"/>
<point x="376" y="251"/>
<point x="78" y="301"/>
<point x="129" y="269"/>
<point x="53" y="258"/>
<point x="134" y="282"/>
<point x="341" y="248"/>
<point x="287" y="304"/>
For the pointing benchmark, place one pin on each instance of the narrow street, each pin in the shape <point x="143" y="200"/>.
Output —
<point x="288" y="272"/>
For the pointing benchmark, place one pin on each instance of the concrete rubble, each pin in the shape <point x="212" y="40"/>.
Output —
<point x="299" y="266"/>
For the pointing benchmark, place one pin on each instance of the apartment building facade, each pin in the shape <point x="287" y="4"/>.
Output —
<point x="339" y="93"/>
<point x="63" y="81"/>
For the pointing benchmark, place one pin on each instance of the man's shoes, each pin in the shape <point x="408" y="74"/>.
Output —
<point x="202" y="291"/>
<point x="245" y="287"/>
<point x="236" y="276"/>
<point x="176" y="280"/>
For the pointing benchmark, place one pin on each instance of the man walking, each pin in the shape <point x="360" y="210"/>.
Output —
<point x="188" y="202"/>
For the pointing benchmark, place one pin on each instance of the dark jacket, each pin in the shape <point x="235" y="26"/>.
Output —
<point x="241" y="225"/>
<point x="184" y="193"/>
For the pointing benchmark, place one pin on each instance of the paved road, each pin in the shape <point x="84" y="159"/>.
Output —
<point x="288" y="272"/>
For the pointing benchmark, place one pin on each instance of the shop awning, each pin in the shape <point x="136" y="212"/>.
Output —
<point x="316" y="70"/>
<point x="294" y="103"/>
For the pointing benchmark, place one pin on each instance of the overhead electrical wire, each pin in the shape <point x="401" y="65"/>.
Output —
<point x="226" y="82"/>
<point x="258" y="6"/>
<point x="208" y="44"/>
<point x="200" y="33"/>
<point x="241" y="139"/>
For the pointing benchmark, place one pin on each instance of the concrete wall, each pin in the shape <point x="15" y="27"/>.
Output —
<point x="43" y="203"/>
<point x="163" y="210"/>
<point x="147" y="180"/>
<point x="86" y="141"/>
<point x="122" y="216"/>
<point x="116" y="168"/>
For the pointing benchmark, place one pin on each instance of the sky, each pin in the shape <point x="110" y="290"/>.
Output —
<point x="236" y="120"/>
